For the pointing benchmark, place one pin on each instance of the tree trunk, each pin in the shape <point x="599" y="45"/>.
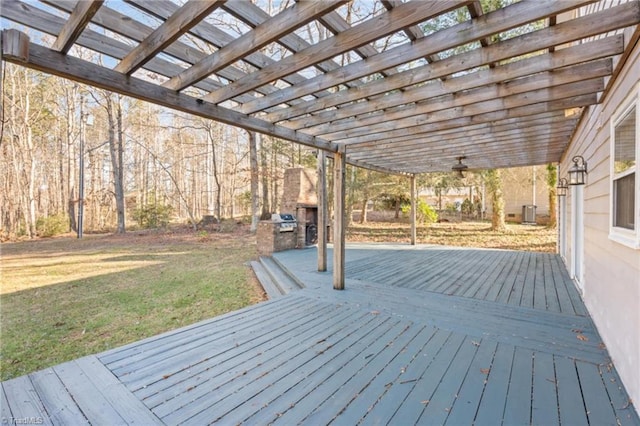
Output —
<point x="114" y="114"/>
<point x="494" y="182"/>
<point x="216" y="177"/>
<point x="363" y="215"/>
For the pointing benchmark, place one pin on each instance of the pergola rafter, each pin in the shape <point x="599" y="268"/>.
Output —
<point x="495" y="65"/>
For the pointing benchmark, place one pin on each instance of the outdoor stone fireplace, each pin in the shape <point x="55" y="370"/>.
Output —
<point x="300" y="200"/>
<point x="299" y="197"/>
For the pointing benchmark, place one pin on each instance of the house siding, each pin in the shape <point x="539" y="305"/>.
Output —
<point x="517" y="189"/>
<point x="611" y="271"/>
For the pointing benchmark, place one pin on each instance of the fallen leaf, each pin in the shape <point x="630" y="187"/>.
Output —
<point x="375" y="312"/>
<point x="582" y="337"/>
<point x="576" y="330"/>
<point x="602" y="346"/>
<point x="425" y="402"/>
<point x="474" y="343"/>
<point x="485" y="370"/>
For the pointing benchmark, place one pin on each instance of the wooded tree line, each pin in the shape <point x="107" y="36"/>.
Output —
<point x="136" y="155"/>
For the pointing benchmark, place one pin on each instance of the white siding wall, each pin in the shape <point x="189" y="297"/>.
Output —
<point x="611" y="280"/>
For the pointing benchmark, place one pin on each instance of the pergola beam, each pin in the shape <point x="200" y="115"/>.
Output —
<point x="549" y="62"/>
<point x="579" y="28"/>
<point x="272" y="29"/>
<point x="513" y="93"/>
<point x="185" y="18"/>
<point x="460" y="34"/>
<point x="513" y="138"/>
<point x="465" y="133"/>
<point x="533" y="99"/>
<point x="55" y="63"/>
<point x="75" y="25"/>
<point x="453" y="118"/>
<point x="385" y="24"/>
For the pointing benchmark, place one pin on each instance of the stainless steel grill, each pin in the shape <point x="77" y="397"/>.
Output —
<point x="286" y="220"/>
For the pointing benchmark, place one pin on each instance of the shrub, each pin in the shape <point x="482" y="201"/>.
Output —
<point x="424" y="214"/>
<point x="467" y="206"/>
<point x="228" y="225"/>
<point x="52" y="225"/>
<point x="153" y="215"/>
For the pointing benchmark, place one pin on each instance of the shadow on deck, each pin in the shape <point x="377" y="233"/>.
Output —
<point x="421" y="335"/>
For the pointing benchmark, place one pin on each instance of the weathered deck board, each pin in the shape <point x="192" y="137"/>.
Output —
<point x="5" y="410"/>
<point x="465" y="406"/>
<point x="60" y="406"/>
<point x="518" y="403"/>
<point x="361" y="381"/>
<point x="23" y="405"/>
<point x="382" y="383"/>
<point x="162" y="343"/>
<point x="257" y="376"/>
<point x="533" y="280"/>
<point x="419" y="336"/>
<point x="143" y="371"/>
<point x="297" y="402"/>
<point x="594" y="394"/>
<point x="544" y="393"/>
<point x="95" y="407"/>
<point x="492" y="401"/>
<point x="217" y="368"/>
<point x="570" y="399"/>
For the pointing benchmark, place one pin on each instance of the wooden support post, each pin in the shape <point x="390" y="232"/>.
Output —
<point x="254" y="141"/>
<point x="15" y="45"/>
<point x="322" y="211"/>
<point x="339" y="166"/>
<point x="413" y="210"/>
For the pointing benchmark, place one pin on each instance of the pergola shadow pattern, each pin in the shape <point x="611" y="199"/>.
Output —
<point x="387" y="350"/>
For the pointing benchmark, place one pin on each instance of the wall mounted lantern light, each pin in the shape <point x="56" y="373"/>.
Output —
<point x="562" y="188"/>
<point x="578" y="172"/>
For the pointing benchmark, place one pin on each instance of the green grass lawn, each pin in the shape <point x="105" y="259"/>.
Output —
<point x="64" y="298"/>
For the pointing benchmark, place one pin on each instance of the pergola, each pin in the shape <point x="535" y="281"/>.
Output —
<point x="408" y="89"/>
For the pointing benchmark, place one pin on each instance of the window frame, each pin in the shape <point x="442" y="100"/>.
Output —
<point x="625" y="236"/>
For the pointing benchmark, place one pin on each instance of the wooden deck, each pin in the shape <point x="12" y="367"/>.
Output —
<point x="420" y="336"/>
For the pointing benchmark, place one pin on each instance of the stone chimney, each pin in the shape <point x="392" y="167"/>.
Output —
<point x="299" y="197"/>
<point x="299" y="189"/>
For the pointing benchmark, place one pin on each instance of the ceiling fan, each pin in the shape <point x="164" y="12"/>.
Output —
<point x="460" y="167"/>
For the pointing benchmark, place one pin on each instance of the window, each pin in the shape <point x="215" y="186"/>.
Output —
<point x="624" y="177"/>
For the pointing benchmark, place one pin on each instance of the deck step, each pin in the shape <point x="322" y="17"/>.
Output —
<point x="275" y="279"/>
<point x="265" y="280"/>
